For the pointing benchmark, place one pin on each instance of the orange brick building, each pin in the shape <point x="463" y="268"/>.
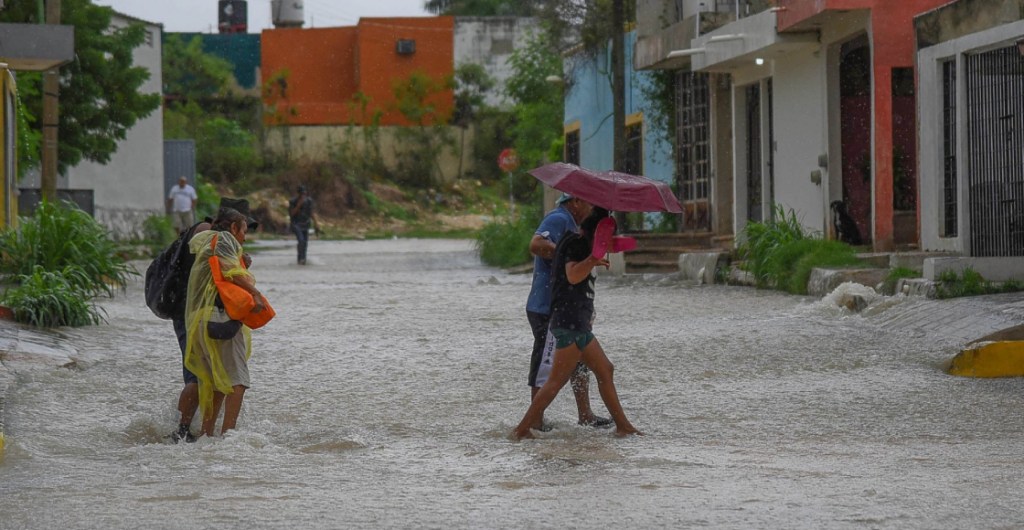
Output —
<point x="312" y="76"/>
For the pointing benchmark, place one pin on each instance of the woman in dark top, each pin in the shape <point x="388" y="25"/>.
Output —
<point x="572" y="312"/>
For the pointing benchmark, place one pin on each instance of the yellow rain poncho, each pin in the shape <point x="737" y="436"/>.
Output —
<point x="202" y="353"/>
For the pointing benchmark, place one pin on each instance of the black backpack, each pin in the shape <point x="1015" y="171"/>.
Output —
<point x="167" y="278"/>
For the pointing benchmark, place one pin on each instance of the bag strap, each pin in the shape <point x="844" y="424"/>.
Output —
<point x="213" y="248"/>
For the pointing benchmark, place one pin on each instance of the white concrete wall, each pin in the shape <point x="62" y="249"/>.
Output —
<point x="801" y="135"/>
<point x="488" y="41"/>
<point x="129" y="188"/>
<point x="930" y="152"/>
<point x="805" y="111"/>
<point x="800" y="130"/>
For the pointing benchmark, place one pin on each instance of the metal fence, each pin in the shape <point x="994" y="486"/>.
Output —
<point x="995" y="114"/>
<point x="29" y="199"/>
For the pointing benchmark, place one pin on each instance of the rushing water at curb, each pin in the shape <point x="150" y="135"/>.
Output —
<point x="384" y="392"/>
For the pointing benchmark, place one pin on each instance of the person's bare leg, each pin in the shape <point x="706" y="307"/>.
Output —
<point x="232" y="407"/>
<point x="561" y="370"/>
<point x="210" y="416"/>
<point x="581" y="389"/>
<point x="188" y="402"/>
<point x="595" y="358"/>
<point x="540" y="420"/>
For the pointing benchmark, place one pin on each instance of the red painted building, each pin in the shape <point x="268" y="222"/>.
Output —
<point x="886" y="207"/>
<point x="322" y="76"/>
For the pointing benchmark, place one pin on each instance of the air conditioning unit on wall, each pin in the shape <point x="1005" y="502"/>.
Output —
<point x="405" y="47"/>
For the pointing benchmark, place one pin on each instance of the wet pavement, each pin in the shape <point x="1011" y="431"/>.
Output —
<point x="385" y="390"/>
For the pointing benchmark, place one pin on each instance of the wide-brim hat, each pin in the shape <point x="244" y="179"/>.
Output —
<point x="242" y="207"/>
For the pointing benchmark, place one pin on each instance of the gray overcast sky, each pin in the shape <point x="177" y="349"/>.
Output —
<point x="201" y="15"/>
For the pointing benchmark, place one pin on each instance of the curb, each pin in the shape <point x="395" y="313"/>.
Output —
<point x="990" y="359"/>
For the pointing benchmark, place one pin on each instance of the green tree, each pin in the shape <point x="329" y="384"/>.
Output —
<point x="225" y="152"/>
<point x="189" y="74"/>
<point x="99" y="91"/>
<point x="423" y="143"/>
<point x="538" y="104"/>
<point x="472" y="83"/>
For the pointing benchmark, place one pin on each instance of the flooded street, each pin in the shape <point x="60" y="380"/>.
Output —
<point x="384" y="392"/>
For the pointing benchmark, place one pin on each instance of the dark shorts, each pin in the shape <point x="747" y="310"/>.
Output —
<point x="567" y="337"/>
<point x="180" y="331"/>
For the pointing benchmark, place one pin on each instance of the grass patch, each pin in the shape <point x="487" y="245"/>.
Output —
<point x="969" y="282"/>
<point x="895" y="275"/>
<point x="781" y="254"/>
<point x="797" y="258"/>
<point x="388" y="209"/>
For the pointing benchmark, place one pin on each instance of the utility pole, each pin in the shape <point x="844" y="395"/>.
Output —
<point x="618" y="92"/>
<point x="51" y="91"/>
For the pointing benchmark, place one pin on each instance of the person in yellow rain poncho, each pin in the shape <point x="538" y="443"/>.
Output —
<point x="219" y="363"/>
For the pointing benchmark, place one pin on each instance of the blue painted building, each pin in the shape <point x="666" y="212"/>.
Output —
<point x="588" y="118"/>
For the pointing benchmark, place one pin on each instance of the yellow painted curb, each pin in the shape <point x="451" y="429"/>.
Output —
<point x="990" y="359"/>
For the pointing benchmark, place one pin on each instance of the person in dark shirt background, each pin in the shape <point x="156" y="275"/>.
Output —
<point x="300" y="209"/>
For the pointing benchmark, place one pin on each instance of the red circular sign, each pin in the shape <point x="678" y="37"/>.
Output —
<point x="507" y="160"/>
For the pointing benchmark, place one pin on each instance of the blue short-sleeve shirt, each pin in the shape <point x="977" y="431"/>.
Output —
<point x="556" y="224"/>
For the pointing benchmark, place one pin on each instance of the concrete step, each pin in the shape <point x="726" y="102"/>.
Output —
<point x="660" y="252"/>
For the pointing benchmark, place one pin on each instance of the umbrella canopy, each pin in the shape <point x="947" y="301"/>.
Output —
<point x="612" y="190"/>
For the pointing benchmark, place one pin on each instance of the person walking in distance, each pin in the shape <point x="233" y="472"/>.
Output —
<point x="563" y="220"/>
<point x="182" y="200"/>
<point x="300" y="209"/>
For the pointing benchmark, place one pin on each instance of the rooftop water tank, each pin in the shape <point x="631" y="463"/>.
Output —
<point x="287" y="13"/>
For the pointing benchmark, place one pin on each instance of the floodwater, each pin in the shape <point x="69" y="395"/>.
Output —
<point x="384" y="392"/>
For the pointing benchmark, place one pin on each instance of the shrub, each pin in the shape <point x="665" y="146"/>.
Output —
<point x="811" y="254"/>
<point x="158" y="232"/>
<point x="209" y="199"/>
<point x="50" y="299"/>
<point x="58" y="237"/>
<point x="760" y="249"/>
<point x="507" y="243"/>
<point x="970" y="283"/>
<point x="225" y="150"/>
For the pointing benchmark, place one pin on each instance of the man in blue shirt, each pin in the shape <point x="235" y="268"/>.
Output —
<point x="564" y="219"/>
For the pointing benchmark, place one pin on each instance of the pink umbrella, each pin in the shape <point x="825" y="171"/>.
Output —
<point x="612" y="190"/>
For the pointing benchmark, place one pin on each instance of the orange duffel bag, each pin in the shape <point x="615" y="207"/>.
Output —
<point x="238" y="303"/>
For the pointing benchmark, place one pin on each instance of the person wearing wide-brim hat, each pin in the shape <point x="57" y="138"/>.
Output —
<point x="242" y="207"/>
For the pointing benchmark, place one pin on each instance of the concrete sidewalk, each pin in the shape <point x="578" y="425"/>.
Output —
<point x="958" y="319"/>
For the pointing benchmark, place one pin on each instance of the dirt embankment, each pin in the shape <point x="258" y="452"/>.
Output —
<point x="344" y="211"/>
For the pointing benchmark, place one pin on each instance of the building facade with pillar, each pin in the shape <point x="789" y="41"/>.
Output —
<point x="819" y="114"/>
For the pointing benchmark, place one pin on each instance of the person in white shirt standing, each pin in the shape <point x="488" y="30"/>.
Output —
<point x="182" y="200"/>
